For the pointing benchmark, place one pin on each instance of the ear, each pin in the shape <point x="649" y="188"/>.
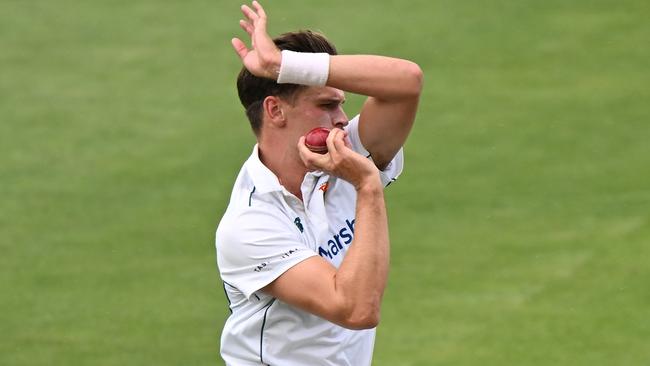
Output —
<point x="272" y="107"/>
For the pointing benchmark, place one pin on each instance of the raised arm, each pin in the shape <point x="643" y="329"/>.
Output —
<point x="393" y="88"/>
<point x="393" y="85"/>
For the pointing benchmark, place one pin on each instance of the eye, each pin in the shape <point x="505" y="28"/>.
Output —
<point x="331" y="105"/>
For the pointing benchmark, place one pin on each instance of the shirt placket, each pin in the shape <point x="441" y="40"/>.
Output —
<point x="295" y="212"/>
<point x="315" y="206"/>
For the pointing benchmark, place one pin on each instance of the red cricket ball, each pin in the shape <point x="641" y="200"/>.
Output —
<point x="316" y="140"/>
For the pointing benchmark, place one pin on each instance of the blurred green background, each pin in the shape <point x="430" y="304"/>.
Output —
<point x="520" y="228"/>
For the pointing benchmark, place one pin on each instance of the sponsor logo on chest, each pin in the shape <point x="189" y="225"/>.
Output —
<point x="340" y="240"/>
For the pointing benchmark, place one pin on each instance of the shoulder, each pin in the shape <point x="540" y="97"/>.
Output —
<point x="241" y="223"/>
<point x="249" y="228"/>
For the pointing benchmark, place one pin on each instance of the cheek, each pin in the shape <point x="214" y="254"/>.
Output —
<point x="318" y="115"/>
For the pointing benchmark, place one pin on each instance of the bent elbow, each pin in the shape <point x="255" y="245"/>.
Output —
<point x="363" y="320"/>
<point x="416" y="77"/>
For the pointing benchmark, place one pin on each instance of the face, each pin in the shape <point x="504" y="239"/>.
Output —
<point x="316" y="107"/>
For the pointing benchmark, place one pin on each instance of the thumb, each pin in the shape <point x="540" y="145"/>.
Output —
<point x="239" y="47"/>
<point x="311" y="160"/>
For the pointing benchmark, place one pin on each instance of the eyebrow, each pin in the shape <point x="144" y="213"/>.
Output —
<point x="331" y="100"/>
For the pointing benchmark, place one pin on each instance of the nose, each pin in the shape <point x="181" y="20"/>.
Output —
<point x="340" y="119"/>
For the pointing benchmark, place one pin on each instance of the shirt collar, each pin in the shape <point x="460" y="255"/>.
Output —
<point x="264" y="179"/>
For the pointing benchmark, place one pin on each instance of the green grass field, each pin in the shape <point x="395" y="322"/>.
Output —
<point x="520" y="228"/>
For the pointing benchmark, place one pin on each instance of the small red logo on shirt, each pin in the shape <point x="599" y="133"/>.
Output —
<point x="323" y="187"/>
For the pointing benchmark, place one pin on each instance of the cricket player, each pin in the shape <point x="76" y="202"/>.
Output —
<point x="303" y="247"/>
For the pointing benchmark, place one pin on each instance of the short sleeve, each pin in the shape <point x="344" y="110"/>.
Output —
<point x="392" y="170"/>
<point x="256" y="246"/>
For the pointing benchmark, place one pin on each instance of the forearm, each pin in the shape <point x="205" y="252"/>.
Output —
<point x="385" y="78"/>
<point x="361" y="279"/>
<point x="381" y="77"/>
<point x="393" y="87"/>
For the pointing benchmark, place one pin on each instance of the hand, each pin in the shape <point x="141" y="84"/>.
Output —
<point x="264" y="58"/>
<point x="341" y="161"/>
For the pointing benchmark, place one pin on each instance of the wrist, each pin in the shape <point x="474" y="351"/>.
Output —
<point x="370" y="185"/>
<point x="303" y="68"/>
<point x="271" y="65"/>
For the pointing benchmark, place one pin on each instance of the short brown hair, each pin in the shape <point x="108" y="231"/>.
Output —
<point x="252" y="89"/>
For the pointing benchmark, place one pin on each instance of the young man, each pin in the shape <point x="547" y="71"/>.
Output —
<point x="303" y="247"/>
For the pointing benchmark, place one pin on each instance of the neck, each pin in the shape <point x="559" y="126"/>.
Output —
<point x="285" y="164"/>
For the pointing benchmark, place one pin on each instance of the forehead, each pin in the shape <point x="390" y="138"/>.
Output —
<point x="314" y="93"/>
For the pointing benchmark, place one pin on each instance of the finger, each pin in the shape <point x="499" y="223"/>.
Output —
<point x="340" y="143"/>
<point x="249" y="13"/>
<point x="311" y="159"/>
<point x="348" y="143"/>
<point x="239" y="47"/>
<point x="334" y="135"/>
<point x="305" y="154"/>
<point x="259" y="9"/>
<point x="246" y="26"/>
<point x="260" y="22"/>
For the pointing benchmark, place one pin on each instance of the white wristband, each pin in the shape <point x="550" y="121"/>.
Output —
<point x="304" y="68"/>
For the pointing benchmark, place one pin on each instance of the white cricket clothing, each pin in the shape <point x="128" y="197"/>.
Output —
<point x="265" y="231"/>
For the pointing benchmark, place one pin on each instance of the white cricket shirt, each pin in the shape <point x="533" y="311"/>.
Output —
<point x="265" y="231"/>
